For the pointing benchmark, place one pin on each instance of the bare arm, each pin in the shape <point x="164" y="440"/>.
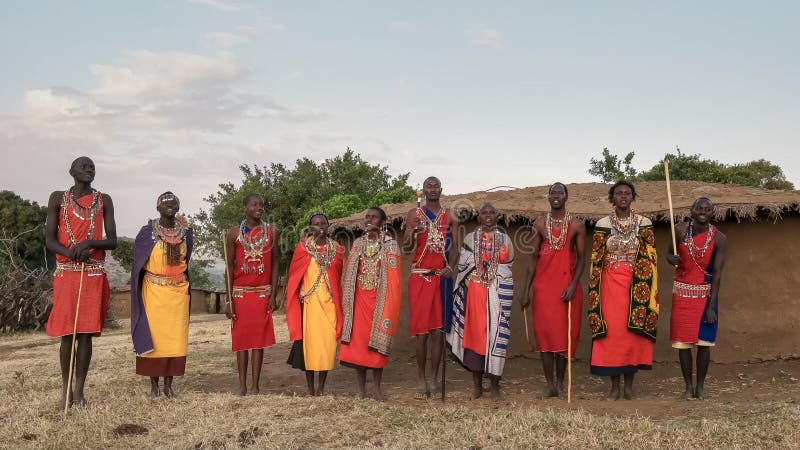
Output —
<point x="531" y="272"/>
<point x="230" y="264"/>
<point x="455" y="244"/>
<point x="720" y="249"/>
<point x="412" y="224"/>
<point x="672" y="256"/>
<point x="275" y="268"/>
<point x="579" y="241"/>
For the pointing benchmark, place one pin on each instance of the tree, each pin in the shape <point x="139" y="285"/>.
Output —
<point x="610" y="168"/>
<point x="339" y="186"/>
<point x="124" y="253"/>
<point x="759" y="173"/>
<point x="198" y="268"/>
<point x="23" y="222"/>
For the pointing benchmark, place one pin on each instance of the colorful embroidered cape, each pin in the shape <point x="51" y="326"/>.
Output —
<point x="643" y="309"/>
<point x="389" y="295"/>
<point x="142" y="247"/>
<point x="297" y="269"/>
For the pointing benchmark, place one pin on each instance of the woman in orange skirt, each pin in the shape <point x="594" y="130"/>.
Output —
<point x="623" y="297"/>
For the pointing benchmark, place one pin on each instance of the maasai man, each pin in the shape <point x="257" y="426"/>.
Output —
<point x="314" y="303"/>
<point x="553" y="284"/>
<point x="252" y="259"/>
<point x="480" y="328"/>
<point x="623" y="296"/>
<point x="76" y="219"/>
<point x="370" y="302"/>
<point x="700" y="259"/>
<point x="429" y="235"/>
<point x="160" y="295"/>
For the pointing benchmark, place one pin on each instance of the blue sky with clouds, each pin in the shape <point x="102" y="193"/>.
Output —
<point x="175" y="94"/>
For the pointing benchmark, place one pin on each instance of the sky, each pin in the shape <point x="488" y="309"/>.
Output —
<point x="177" y="94"/>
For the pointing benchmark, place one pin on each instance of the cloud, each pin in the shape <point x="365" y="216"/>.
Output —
<point x="485" y="37"/>
<point x="216" y="4"/>
<point x="226" y="40"/>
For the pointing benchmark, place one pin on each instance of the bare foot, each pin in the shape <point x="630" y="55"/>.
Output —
<point x="614" y="394"/>
<point x="421" y="392"/>
<point x="242" y="390"/>
<point x="320" y="392"/>
<point x="61" y="404"/>
<point x="688" y="394"/>
<point x="495" y="392"/>
<point x="700" y="394"/>
<point x="549" y="391"/>
<point x="477" y="392"/>
<point x="362" y="395"/>
<point x="80" y="403"/>
<point x="169" y="393"/>
<point x="628" y="394"/>
<point x="378" y="394"/>
<point x="254" y="391"/>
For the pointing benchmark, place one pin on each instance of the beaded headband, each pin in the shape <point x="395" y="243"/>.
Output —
<point x="166" y="197"/>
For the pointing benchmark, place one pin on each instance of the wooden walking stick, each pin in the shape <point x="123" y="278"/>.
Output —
<point x="72" y="351"/>
<point x="527" y="333"/>
<point x="444" y="360"/>
<point x="228" y="280"/>
<point x="669" y="201"/>
<point x="569" y="351"/>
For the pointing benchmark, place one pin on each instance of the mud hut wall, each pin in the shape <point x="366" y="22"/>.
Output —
<point x="759" y="307"/>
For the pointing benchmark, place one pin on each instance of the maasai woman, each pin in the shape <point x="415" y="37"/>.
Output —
<point x="160" y="295"/>
<point x="623" y="297"/>
<point x="482" y="302"/>
<point x="252" y="261"/>
<point x="314" y="303"/>
<point x="371" y="301"/>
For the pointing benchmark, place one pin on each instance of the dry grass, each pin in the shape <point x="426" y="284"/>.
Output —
<point x="203" y="418"/>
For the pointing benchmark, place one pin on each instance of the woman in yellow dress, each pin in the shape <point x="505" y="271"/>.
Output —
<point x="160" y="295"/>
<point x="314" y="303"/>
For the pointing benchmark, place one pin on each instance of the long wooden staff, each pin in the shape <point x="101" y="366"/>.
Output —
<point x="72" y="351"/>
<point x="527" y="333"/>
<point x="569" y="351"/>
<point x="228" y="280"/>
<point x="669" y="200"/>
<point x="444" y="361"/>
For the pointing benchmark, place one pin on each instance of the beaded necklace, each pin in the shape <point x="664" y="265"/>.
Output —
<point x="435" y="240"/>
<point x="323" y="258"/>
<point x="370" y="255"/>
<point x="487" y="248"/>
<point x="171" y="239"/>
<point x="254" y="247"/>
<point x="557" y="243"/>
<point x="694" y="251"/>
<point x="89" y="213"/>
<point x="625" y="231"/>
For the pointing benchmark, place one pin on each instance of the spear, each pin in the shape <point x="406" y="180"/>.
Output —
<point x="669" y="200"/>
<point x="72" y="351"/>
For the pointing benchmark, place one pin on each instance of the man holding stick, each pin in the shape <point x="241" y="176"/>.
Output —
<point x="76" y="219"/>
<point x="699" y="260"/>
<point x="430" y="236"/>
<point x="553" y="285"/>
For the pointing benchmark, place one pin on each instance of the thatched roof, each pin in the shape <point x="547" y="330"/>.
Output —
<point x="589" y="201"/>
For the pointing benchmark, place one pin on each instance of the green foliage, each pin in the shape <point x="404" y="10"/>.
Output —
<point x="198" y="273"/>
<point x="339" y="186"/>
<point x="759" y="173"/>
<point x="22" y="223"/>
<point x="124" y="253"/>
<point x="610" y="168"/>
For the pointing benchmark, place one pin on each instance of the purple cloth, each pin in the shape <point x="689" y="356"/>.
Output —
<point x="142" y="247"/>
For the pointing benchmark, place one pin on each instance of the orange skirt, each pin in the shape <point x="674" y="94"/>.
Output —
<point x="620" y="351"/>
<point x="357" y="353"/>
<point x="95" y="295"/>
<point x="253" y="327"/>
<point x="424" y="303"/>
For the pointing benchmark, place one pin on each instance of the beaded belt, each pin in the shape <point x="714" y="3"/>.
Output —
<point x="610" y="260"/>
<point x="691" y="290"/>
<point x="264" y="291"/>
<point x="91" y="269"/>
<point x="164" y="280"/>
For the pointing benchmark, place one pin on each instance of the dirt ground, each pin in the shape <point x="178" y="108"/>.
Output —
<point x="658" y="392"/>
